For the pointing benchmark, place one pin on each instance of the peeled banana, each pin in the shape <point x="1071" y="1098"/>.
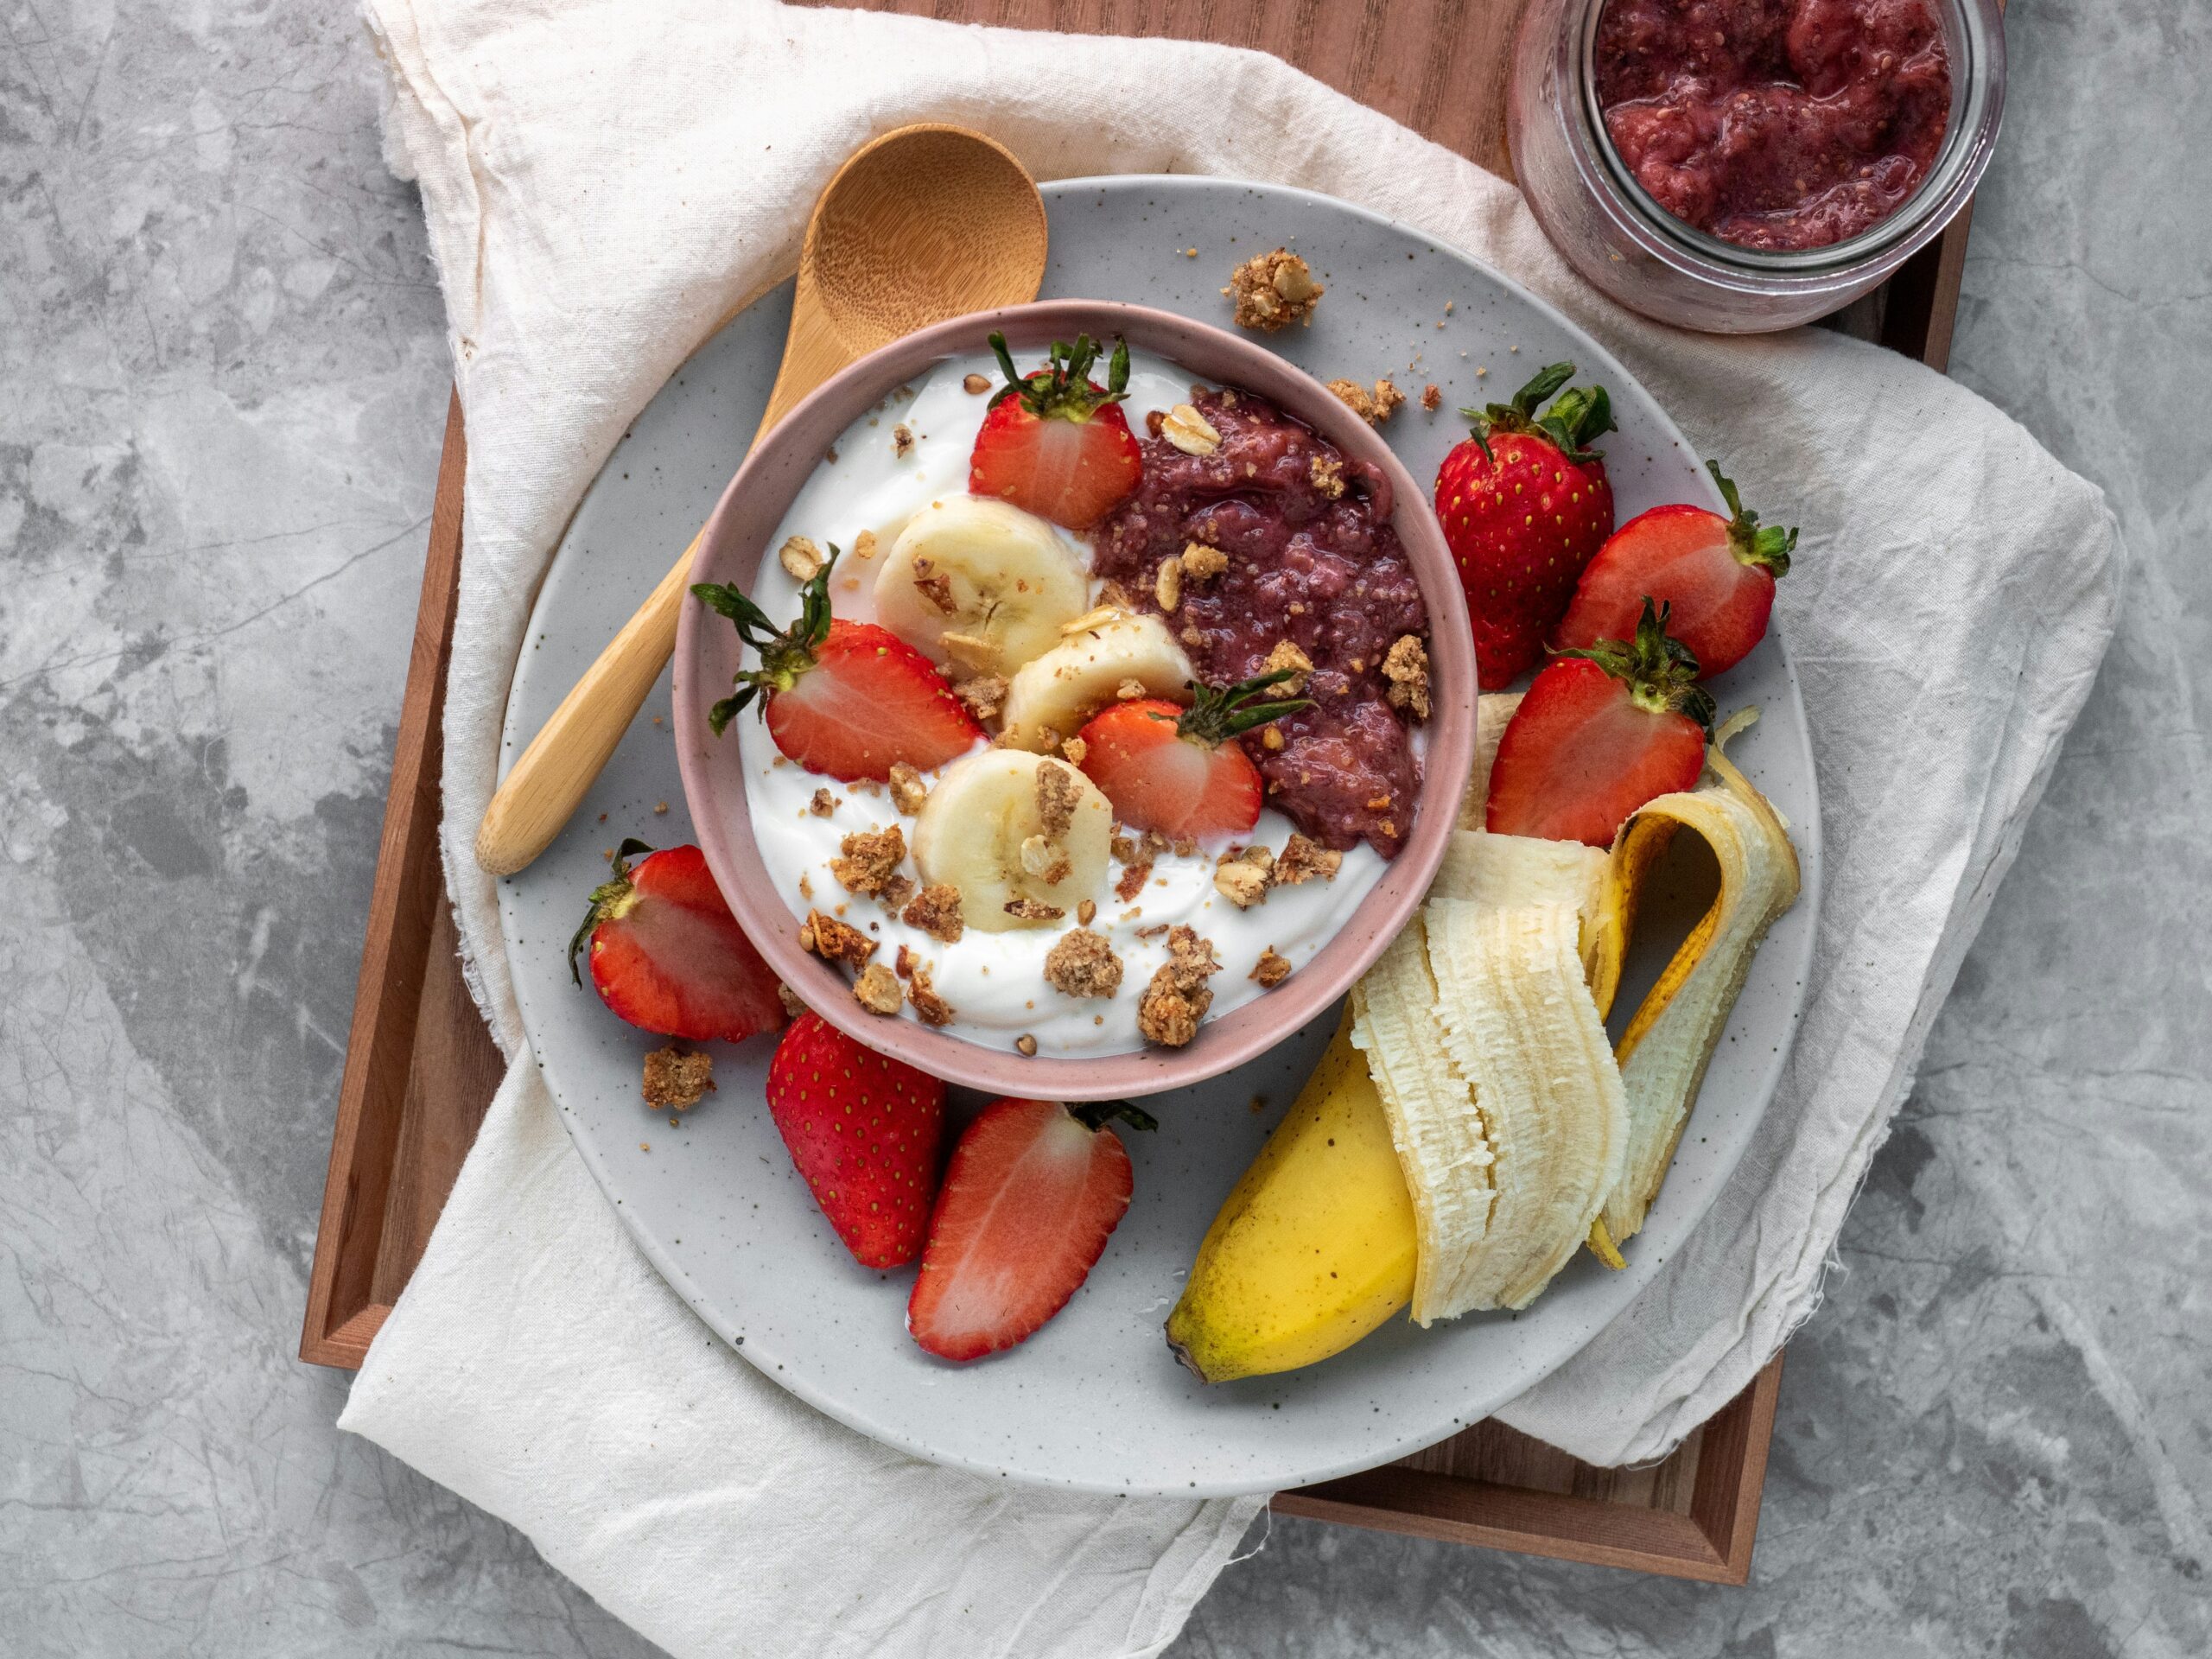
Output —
<point x="983" y="831"/>
<point x="980" y="585"/>
<point x="1051" y="696"/>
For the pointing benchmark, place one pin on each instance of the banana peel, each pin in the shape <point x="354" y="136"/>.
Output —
<point x="1566" y="1144"/>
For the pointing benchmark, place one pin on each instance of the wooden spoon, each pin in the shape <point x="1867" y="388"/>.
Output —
<point x="925" y="224"/>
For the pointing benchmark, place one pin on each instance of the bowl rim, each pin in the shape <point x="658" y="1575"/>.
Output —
<point x="735" y="541"/>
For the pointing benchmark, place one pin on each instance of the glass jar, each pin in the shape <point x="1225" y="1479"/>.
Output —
<point x="1623" y="241"/>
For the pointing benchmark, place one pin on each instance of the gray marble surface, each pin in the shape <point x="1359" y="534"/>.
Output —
<point x="224" y="384"/>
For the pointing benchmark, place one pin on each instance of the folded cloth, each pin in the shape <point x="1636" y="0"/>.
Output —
<point x="604" y="184"/>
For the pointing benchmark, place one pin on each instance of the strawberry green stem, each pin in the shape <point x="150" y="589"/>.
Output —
<point x="1582" y="415"/>
<point x="610" y="901"/>
<point x="1659" y="669"/>
<point x="1095" y="1114"/>
<point x="786" y="653"/>
<point x="1219" y="713"/>
<point x="1750" y="541"/>
<point x="1062" y="390"/>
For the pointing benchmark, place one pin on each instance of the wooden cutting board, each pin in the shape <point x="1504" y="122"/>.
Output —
<point x="421" y="1068"/>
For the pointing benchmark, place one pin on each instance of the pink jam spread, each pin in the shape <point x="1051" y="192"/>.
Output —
<point x="1775" y="124"/>
<point x="1313" y="560"/>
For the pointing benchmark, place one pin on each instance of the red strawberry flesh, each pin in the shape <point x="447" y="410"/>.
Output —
<point x="870" y="700"/>
<point x="667" y="956"/>
<point x="1579" y="757"/>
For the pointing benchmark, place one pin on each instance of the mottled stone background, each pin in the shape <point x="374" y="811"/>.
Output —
<point x="224" y="385"/>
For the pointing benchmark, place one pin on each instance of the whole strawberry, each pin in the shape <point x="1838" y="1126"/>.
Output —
<point x="667" y="956"/>
<point x="1525" y="503"/>
<point x="863" y="1131"/>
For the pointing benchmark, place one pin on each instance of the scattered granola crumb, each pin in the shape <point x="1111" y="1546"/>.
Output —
<point x="1025" y="1045"/>
<point x="659" y="808"/>
<point x="1046" y="860"/>
<point x="870" y="859"/>
<point x="1271" y="291"/>
<point x="806" y="886"/>
<point x="1286" y="655"/>
<point x="801" y="559"/>
<point x="935" y="587"/>
<point x="1082" y="963"/>
<point x="1189" y="431"/>
<point x="896" y="892"/>
<point x="1271" y="738"/>
<point x="985" y="696"/>
<point x="935" y="910"/>
<point x="1301" y="860"/>
<point x="1128" y="690"/>
<point x="902" y="441"/>
<point x="863" y="786"/>
<point x="1190" y="254"/>
<point x="1203" y="563"/>
<point x="792" y="1006"/>
<point x="1191" y="636"/>
<point x="1113" y="596"/>
<point x="1057" y="795"/>
<point x="908" y="791"/>
<point x="878" y="989"/>
<point x="1407" y="669"/>
<point x="1242" y="877"/>
<point x="823" y="803"/>
<point x="1168" y="584"/>
<point x="1075" y="749"/>
<point x="1328" y="476"/>
<point x="1272" y="968"/>
<point x="1373" y="407"/>
<point x="976" y="385"/>
<point x="1432" y="396"/>
<point x="602" y="818"/>
<point x="1177" y="999"/>
<point x="1030" y="910"/>
<point x="677" y="1080"/>
<point x="864" y="545"/>
<point x="834" y="941"/>
<point x="928" y="1007"/>
<point x="1185" y="845"/>
<point x="904" y="967"/>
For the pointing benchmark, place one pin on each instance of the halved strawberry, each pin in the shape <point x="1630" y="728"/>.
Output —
<point x="1601" y="732"/>
<point x="862" y="1129"/>
<point x="1176" y="770"/>
<point x="1717" y="573"/>
<point x="666" y="955"/>
<point x="850" y="699"/>
<point x="1055" y="443"/>
<point x="1525" y="503"/>
<point x="1034" y="1192"/>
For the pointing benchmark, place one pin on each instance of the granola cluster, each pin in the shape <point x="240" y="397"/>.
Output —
<point x="1374" y="406"/>
<point x="1273" y="290"/>
<point x="1178" y="998"/>
<point x="677" y="1081"/>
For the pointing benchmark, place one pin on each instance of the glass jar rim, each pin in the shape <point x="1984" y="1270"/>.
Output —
<point x="1976" y="42"/>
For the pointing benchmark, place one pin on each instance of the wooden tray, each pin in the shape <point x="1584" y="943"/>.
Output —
<point x="421" y="1068"/>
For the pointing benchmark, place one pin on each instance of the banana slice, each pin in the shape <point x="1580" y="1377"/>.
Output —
<point x="1049" y="698"/>
<point x="980" y="585"/>
<point x="1009" y="828"/>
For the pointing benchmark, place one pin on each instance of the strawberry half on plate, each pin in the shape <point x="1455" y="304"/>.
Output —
<point x="667" y="956"/>
<point x="850" y="699"/>
<point x="1178" y="771"/>
<point x="1054" y="441"/>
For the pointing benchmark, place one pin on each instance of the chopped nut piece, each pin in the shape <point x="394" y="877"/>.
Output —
<point x="864" y="545"/>
<point x="1090" y="620"/>
<point x="1128" y="690"/>
<point x="1328" y="476"/>
<point x="1407" y="669"/>
<point x="1025" y="1045"/>
<point x="1074" y="748"/>
<point x="792" y="1006"/>
<point x="935" y="586"/>
<point x="1028" y="910"/>
<point x="1085" y="911"/>
<point x="1274" y="289"/>
<point x="1191" y="636"/>
<point x="905" y="965"/>
<point x="1132" y="881"/>
<point x="1112" y="596"/>
<point x="985" y="694"/>
<point x="823" y="805"/>
<point x="896" y="892"/>
<point x="1242" y="877"/>
<point x="908" y="791"/>
<point x="1044" y="860"/>
<point x="878" y="989"/>
<point x="928" y="1007"/>
<point x="1272" y="968"/>
<point x="1301" y="860"/>
<point x="935" y="910"/>
<point x="1271" y="738"/>
<point x="975" y="383"/>
<point x="1432" y="396"/>
<point x="677" y="1080"/>
<point x="902" y="441"/>
<point x="1203" y="563"/>
<point x="806" y="886"/>
<point x="1189" y="431"/>
<point x="1168" y="584"/>
<point x="801" y="559"/>
<point x="835" y="941"/>
<point x="864" y="786"/>
<point x="1057" y="795"/>
<point x="871" y="858"/>
<point x="1177" y="999"/>
<point x="1285" y="655"/>
<point x="1185" y="845"/>
<point x="970" y="651"/>
<point x="1082" y="963"/>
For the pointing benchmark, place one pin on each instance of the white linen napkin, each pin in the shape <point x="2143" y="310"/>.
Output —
<point x="604" y="183"/>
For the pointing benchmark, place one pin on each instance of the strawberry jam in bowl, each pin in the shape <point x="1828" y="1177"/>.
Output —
<point x="1073" y="700"/>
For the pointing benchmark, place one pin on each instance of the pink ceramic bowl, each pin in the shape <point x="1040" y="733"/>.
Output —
<point x="708" y="654"/>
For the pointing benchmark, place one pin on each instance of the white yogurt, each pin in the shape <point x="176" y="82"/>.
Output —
<point x="995" y="981"/>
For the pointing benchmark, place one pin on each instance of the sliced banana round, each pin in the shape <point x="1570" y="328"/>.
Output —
<point x="1048" y="700"/>
<point x="1009" y="828"/>
<point x="980" y="586"/>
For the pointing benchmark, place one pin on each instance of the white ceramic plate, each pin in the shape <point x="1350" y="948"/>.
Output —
<point x="1093" y="1401"/>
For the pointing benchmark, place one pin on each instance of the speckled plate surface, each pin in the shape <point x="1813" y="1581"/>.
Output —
<point x="1093" y="1401"/>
